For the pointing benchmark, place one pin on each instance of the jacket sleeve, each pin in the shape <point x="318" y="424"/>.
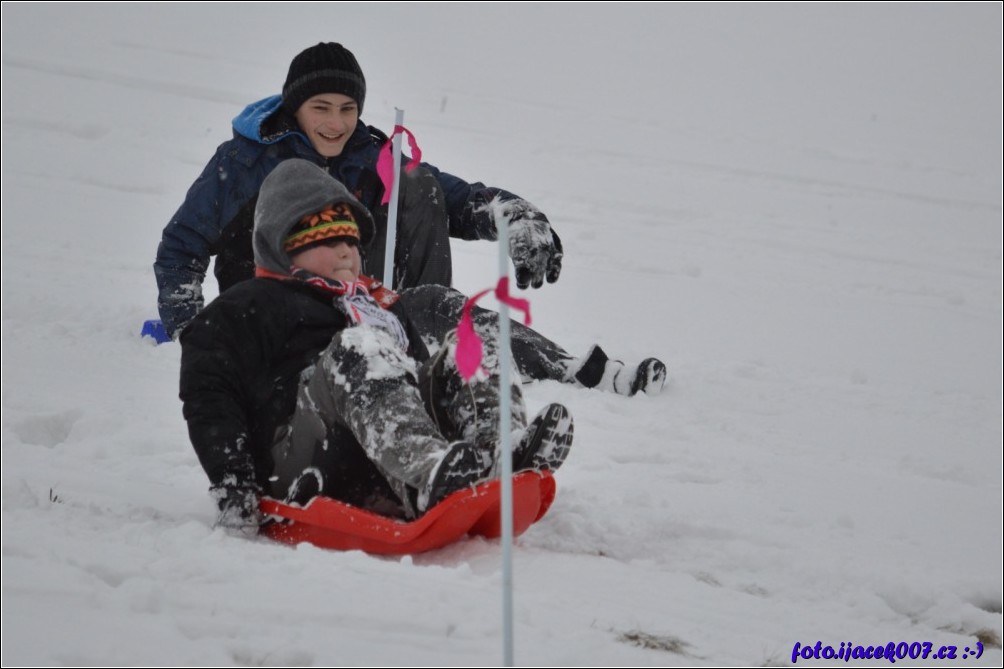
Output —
<point x="188" y="239"/>
<point x="223" y="350"/>
<point x="469" y="206"/>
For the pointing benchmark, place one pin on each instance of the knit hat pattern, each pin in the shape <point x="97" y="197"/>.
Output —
<point x="314" y="229"/>
<point x="327" y="67"/>
<point x="295" y="189"/>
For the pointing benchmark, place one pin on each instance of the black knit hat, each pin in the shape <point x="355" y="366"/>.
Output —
<point x="325" y="68"/>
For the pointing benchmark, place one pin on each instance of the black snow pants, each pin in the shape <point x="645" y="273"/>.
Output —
<point x="422" y="249"/>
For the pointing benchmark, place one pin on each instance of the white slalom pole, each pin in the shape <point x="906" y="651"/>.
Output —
<point x="505" y="442"/>
<point x="388" y="253"/>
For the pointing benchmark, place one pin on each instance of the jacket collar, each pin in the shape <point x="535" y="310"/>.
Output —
<point x="265" y="122"/>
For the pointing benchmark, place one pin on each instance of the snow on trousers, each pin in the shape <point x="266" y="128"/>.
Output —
<point x="436" y="310"/>
<point x="369" y="434"/>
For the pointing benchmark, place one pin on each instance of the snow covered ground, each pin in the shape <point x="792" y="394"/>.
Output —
<point x="798" y="208"/>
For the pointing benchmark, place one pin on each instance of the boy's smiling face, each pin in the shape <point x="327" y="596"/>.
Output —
<point x="328" y="120"/>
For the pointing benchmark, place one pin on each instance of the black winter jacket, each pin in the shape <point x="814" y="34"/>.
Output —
<point x="241" y="363"/>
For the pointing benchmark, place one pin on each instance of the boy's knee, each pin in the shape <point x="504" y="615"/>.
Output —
<point x="370" y="351"/>
<point x="433" y="299"/>
<point x="424" y="201"/>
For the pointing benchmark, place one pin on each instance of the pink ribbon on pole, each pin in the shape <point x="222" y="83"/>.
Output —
<point x="470" y="349"/>
<point x="385" y="161"/>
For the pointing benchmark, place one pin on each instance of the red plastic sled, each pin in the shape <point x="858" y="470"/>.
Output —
<point x="328" y="523"/>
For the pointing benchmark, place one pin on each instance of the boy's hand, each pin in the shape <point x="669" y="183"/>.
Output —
<point x="239" y="511"/>
<point x="534" y="247"/>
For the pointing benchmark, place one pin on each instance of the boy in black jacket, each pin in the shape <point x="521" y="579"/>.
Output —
<point x="310" y="379"/>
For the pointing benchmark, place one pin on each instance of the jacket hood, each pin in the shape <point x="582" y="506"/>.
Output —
<point x="248" y="122"/>
<point x="294" y="189"/>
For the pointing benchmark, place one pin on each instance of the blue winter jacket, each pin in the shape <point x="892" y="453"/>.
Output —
<point x="217" y="215"/>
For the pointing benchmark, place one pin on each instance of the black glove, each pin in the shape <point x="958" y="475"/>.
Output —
<point x="239" y="511"/>
<point x="534" y="247"/>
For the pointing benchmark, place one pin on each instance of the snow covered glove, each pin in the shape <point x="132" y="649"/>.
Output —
<point x="534" y="247"/>
<point x="239" y="511"/>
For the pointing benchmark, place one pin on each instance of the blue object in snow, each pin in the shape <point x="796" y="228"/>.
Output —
<point x="155" y="329"/>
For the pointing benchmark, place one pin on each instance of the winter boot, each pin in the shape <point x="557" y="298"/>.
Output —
<point x="463" y="465"/>
<point x="596" y="370"/>
<point x="545" y="442"/>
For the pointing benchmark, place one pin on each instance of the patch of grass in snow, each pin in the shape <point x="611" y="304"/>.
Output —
<point x="654" y="641"/>
<point x="988" y="638"/>
<point x="775" y="660"/>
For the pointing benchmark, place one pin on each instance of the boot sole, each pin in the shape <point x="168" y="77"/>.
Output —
<point x="547" y="440"/>
<point x="463" y="466"/>
<point x="650" y="377"/>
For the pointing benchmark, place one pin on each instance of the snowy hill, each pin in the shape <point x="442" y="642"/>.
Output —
<point x="798" y="208"/>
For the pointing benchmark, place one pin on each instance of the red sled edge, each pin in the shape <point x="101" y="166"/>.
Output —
<point x="328" y="523"/>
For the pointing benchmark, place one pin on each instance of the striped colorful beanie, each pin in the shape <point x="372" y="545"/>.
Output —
<point x="314" y="229"/>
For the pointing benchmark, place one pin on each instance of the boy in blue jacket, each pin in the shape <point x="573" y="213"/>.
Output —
<point x="317" y="118"/>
